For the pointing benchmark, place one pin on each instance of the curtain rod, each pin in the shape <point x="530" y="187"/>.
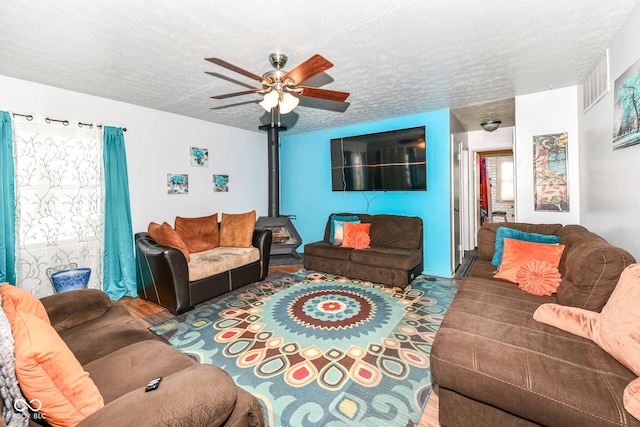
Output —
<point x="29" y="117"/>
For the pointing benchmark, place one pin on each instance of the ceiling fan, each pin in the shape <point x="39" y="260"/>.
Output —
<point x="280" y="86"/>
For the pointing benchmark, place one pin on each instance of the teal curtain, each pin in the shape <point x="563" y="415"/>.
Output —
<point x="7" y="202"/>
<point x="119" y="267"/>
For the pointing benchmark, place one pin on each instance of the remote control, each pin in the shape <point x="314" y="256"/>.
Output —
<point x="153" y="384"/>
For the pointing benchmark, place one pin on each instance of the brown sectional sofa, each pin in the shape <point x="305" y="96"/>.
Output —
<point x="395" y="257"/>
<point x="121" y="357"/>
<point x="496" y="366"/>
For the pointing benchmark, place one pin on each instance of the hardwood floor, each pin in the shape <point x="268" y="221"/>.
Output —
<point x="140" y="308"/>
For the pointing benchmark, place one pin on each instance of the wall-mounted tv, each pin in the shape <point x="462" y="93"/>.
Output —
<point x="395" y="160"/>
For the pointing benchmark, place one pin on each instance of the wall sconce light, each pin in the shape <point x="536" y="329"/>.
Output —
<point x="491" y="125"/>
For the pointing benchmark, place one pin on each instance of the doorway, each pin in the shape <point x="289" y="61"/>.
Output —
<point x="496" y="186"/>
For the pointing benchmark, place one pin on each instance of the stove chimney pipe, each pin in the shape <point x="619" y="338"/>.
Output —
<point x="273" y="139"/>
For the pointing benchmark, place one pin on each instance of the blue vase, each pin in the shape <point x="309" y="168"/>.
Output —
<point x="68" y="280"/>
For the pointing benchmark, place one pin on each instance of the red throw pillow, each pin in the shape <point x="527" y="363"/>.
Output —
<point x="164" y="235"/>
<point x="538" y="277"/>
<point x="518" y="252"/>
<point x="356" y="235"/>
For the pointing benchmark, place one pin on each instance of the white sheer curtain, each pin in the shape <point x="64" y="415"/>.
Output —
<point x="59" y="201"/>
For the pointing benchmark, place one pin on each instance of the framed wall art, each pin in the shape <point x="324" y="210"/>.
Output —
<point x="199" y="156"/>
<point x="177" y="183"/>
<point x="550" y="172"/>
<point x="626" y="108"/>
<point x="220" y="183"/>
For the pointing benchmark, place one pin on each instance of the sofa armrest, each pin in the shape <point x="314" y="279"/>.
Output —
<point x="162" y="274"/>
<point x="262" y="240"/>
<point x="201" y="395"/>
<point x="69" y="309"/>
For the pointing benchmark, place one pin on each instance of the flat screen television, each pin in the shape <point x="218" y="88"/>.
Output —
<point x="395" y="160"/>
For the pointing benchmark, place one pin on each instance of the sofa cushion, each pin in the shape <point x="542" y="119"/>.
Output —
<point x="511" y="233"/>
<point x="112" y="331"/>
<point x="632" y="398"/>
<point x="199" y="234"/>
<point x="366" y="218"/>
<point x="15" y="299"/>
<point x="404" y="232"/>
<point x="538" y="277"/>
<point x="72" y="308"/>
<point x="519" y="252"/>
<point x="336" y="235"/>
<point x="236" y="230"/>
<point x="490" y="349"/>
<point x="592" y="268"/>
<point x="49" y="372"/>
<point x="324" y="249"/>
<point x="128" y="369"/>
<point x="388" y="257"/>
<point x="220" y="259"/>
<point x="356" y="235"/>
<point x="487" y="235"/>
<point x="616" y="329"/>
<point x="164" y="235"/>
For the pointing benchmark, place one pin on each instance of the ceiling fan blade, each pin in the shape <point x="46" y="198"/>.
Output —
<point x="331" y="95"/>
<point x="229" y="66"/>
<point x="309" y="68"/>
<point x="230" y="95"/>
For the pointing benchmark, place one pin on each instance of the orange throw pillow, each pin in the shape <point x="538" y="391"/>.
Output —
<point x="164" y="235"/>
<point x="538" y="278"/>
<point x="199" y="234"/>
<point x="15" y="299"/>
<point x="356" y="235"/>
<point x="236" y="230"/>
<point x="518" y="252"/>
<point x="49" y="372"/>
<point x="615" y="329"/>
<point x="631" y="398"/>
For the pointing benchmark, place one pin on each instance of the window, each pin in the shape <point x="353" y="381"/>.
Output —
<point x="505" y="182"/>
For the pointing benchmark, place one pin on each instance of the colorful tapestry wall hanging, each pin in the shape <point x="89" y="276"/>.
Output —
<point x="550" y="172"/>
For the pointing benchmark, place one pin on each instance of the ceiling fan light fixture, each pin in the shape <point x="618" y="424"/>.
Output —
<point x="270" y="100"/>
<point x="491" y="125"/>
<point x="288" y="103"/>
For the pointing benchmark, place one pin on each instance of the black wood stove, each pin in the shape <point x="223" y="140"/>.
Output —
<point x="285" y="237"/>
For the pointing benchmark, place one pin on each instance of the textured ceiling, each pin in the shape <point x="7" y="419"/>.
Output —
<point x="395" y="57"/>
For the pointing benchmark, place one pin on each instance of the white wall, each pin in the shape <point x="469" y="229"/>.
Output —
<point x="499" y="139"/>
<point x="610" y="190"/>
<point x="158" y="143"/>
<point x="542" y="113"/>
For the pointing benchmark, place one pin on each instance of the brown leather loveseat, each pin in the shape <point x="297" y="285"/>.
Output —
<point x="163" y="274"/>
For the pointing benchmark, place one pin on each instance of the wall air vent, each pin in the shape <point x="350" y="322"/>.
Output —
<point x="596" y="83"/>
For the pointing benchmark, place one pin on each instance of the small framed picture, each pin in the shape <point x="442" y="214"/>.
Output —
<point x="199" y="157"/>
<point x="220" y="183"/>
<point x="177" y="183"/>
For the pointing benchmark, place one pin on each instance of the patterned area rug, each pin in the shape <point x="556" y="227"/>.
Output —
<point x="318" y="349"/>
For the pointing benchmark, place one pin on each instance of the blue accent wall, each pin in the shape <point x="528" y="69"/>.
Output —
<point x="305" y="186"/>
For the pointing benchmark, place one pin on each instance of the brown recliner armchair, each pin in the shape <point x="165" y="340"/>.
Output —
<point x="121" y="357"/>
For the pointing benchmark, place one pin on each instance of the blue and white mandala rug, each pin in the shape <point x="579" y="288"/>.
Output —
<point x="318" y="349"/>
